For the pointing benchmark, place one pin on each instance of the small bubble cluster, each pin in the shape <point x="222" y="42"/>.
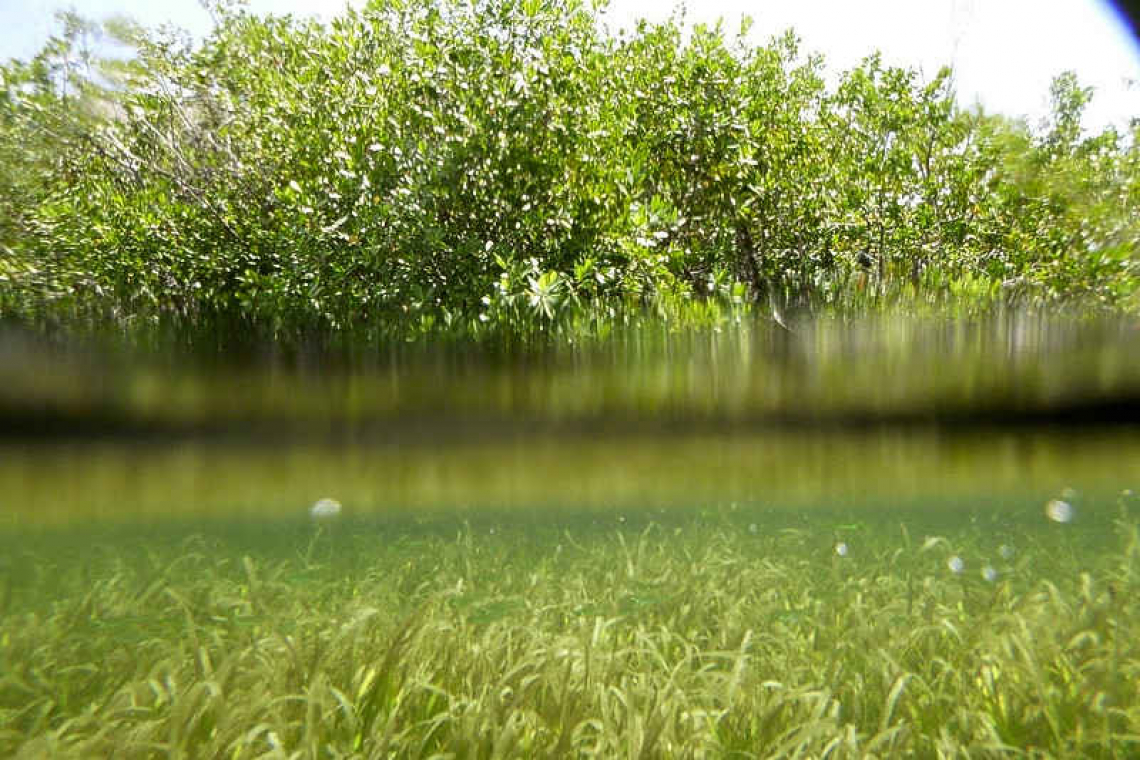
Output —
<point x="324" y="509"/>
<point x="1059" y="510"/>
<point x="956" y="564"/>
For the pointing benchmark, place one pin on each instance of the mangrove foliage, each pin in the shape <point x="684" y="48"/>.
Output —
<point x="479" y="168"/>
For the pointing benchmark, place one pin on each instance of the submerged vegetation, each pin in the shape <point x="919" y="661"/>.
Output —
<point x="507" y="168"/>
<point x="645" y="377"/>
<point x="718" y="633"/>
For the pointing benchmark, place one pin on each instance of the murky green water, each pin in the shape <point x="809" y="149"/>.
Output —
<point x="862" y="415"/>
<point x="55" y="483"/>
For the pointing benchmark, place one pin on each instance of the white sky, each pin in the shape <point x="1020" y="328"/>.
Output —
<point x="1004" y="52"/>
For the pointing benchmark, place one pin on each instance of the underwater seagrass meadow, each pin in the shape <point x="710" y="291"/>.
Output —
<point x="717" y="633"/>
<point x="933" y="629"/>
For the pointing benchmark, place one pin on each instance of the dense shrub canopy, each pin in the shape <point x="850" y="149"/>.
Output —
<point x="478" y="167"/>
